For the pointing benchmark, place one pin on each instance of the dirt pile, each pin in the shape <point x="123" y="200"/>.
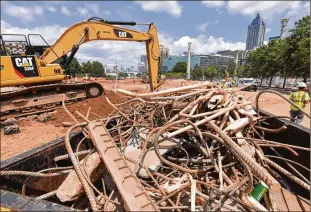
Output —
<point x="98" y="106"/>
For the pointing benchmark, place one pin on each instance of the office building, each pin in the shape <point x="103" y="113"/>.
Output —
<point x="274" y="38"/>
<point x="170" y="62"/>
<point x="217" y="60"/>
<point x="256" y="33"/>
<point x="242" y="54"/>
<point x="203" y="61"/>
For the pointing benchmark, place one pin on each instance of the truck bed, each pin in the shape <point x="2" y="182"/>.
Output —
<point x="43" y="157"/>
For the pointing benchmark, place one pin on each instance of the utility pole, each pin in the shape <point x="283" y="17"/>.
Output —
<point x="236" y="66"/>
<point x="115" y="85"/>
<point x="188" y="63"/>
<point x="284" y="22"/>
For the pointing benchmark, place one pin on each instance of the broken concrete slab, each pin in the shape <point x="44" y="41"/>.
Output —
<point x="150" y="159"/>
<point x="72" y="188"/>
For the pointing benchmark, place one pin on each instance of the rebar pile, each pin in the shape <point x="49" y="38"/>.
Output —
<point x="192" y="148"/>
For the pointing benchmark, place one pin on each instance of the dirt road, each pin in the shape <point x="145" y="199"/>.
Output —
<point x="34" y="134"/>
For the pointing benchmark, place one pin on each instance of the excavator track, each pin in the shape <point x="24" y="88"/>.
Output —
<point x="44" y="98"/>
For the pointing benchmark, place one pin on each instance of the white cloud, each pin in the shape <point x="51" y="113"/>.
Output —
<point x="268" y="9"/>
<point x="171" y="7"/>
<point x="94" y="8"/>
<point x="213" y="3"/>
<point x="268" y="30"/>
<point x="219" y="11"/>
<point x="200" y="44"/>
<point x="215" y="22"/>
<point x="82" y="11"/>
<point x="202" y="27"/>
<point x="297" y="12"/>
<point x="52" y="9"/>
<point x="49" y="33"/>
<point x="21" y="12"/>
<point x="65" y="11"/>
<point x="90" y="9"/>
<point x="106" y="13"/>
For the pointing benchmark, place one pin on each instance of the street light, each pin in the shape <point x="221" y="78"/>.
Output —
<point x="115" y="85"/>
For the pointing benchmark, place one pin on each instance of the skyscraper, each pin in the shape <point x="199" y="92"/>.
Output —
<point x="164" y="52"/>
<point x="256" y="33"/>
<point x="143" y="58"/>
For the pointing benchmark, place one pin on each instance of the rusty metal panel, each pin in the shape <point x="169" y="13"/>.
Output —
<point x="133" y="193"/>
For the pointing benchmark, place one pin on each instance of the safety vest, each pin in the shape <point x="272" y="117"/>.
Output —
<point x="299" y="98"/>
<point x="224" y="85"/>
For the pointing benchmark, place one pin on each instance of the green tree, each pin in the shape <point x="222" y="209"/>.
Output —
<point x="180" y="67"/>
<point x="256" y="63"/>
<point x="74" y="66"/>
<point x="230" y="67"/>
<point x="221" y="72"/>
<point x="197" y="72"/>
<point x="86" y="67"/>
<point x="299" y="46"/>
<point x="97" y="68"/>
<point x="210" y="72"/>
<point x="122" y="74"/>
<point x="241" y="72"/>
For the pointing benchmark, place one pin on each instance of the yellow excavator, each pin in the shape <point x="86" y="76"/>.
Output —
<point x="33" y="82"/>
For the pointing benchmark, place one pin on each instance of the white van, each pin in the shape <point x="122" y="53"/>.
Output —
<point x="242" y="82"/>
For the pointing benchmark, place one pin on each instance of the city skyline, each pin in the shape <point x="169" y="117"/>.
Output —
<point x="216" y="25"/>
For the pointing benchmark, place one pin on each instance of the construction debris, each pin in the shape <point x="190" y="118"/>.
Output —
<point x="197" y="147"/>
<point x="8" y="122"/>
<point x="11" y="129"/>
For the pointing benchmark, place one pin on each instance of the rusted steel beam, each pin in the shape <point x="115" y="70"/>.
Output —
<point x="133" y="193"/>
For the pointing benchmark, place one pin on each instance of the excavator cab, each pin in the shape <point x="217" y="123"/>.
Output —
<point x="19" y="44"/>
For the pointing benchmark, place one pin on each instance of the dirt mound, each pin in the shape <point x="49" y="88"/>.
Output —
<point x="98" y="106"/>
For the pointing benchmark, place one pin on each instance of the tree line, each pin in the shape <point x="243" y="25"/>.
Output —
<point x="289" y="57"/>
<point x="211" y="72"/>
<point x="94" y="68"/>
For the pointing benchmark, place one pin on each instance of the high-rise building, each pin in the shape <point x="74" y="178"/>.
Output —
<point x="143" y="58"/>
<point x="164" y="52"/>
<point x="256" y="33"/>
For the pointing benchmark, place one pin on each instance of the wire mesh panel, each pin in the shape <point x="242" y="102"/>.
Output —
<point x="15" y="48"/>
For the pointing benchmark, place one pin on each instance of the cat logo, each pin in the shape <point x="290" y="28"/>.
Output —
<point x="26" y="63"/>
<point x="122" y="34"/>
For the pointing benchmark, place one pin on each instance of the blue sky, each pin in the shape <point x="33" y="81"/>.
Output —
<point x="211" y="26"/>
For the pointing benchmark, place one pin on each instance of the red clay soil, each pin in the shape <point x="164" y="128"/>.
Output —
<point x="98" y="106"/>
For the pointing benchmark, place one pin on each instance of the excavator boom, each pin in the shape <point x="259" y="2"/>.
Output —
<point x="97" y="29"/>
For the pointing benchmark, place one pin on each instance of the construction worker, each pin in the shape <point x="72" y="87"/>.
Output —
<point x="300" y="98"/>
<point x="223" y="84"/>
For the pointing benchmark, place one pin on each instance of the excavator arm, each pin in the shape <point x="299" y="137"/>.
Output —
<point x="98" y="29"/>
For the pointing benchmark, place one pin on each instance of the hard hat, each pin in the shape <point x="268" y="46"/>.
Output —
<point x="301" y="85"/>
